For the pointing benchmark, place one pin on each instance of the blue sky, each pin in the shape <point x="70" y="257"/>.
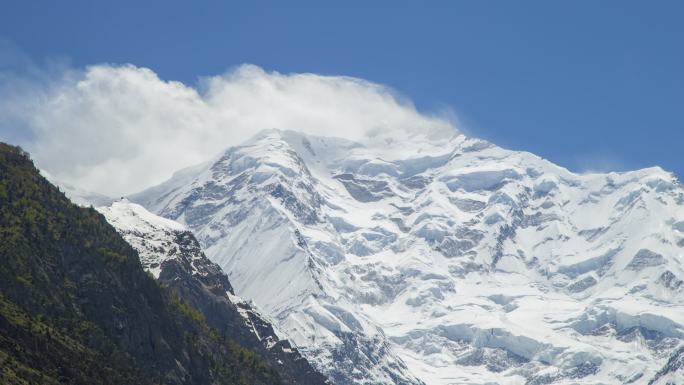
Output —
<point x="586" y="84"/>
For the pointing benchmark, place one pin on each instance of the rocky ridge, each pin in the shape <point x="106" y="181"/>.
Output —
<point x="444" y="261"/>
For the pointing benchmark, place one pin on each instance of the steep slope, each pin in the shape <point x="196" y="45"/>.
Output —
<point x="173" y="256"/>
<point x="77" y="195"/>
<point x="254" y="198"/>
<point x="76" y="306"/>
<point x="445" y="261"/>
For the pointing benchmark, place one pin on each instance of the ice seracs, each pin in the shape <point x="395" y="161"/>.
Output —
<point x="444" y="260"/>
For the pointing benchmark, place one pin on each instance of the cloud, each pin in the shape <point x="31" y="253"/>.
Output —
<point x="118" y="129"/>
<point x="604" y="162"/>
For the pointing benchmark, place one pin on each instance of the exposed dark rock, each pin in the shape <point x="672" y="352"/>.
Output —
<point x="365" y="190"/>
<point x="582" y="284"/>
<point x="208" y="290"/>
<point x="77" y="307"/>
<point x="645" y="258"/>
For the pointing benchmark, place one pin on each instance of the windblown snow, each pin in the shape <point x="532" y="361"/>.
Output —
<point x="444" y="261"/>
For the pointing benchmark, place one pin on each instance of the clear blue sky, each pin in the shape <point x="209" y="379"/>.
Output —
<point x="586" y="84"/>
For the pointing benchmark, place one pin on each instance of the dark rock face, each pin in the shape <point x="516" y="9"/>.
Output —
<point x="172" y="254"/>
<point x="645" y="258"/>
<point x="208" y="290"/>
<point x="357" y="355"/>
<point x="582" y="284"/>
<point x="76" y="306"/>
<point x="496" y="360"/>
<point x="365" y="190"/>
<point x="670" y="281"/>
<point x="673" y="365"/>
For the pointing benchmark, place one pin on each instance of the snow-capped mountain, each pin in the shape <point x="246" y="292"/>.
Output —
<point x="445" y="261"/>
<point x="158" y="240"/>
<point x="170" y="252"/>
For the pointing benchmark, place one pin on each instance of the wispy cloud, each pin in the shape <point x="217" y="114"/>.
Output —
<point x="116" y="129"/>
<point x="599" y="163"/>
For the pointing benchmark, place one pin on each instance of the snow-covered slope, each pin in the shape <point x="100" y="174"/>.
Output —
<point x="170" y="252"/>
<point x="447" y="261"/>
<point x="156" y="239"/>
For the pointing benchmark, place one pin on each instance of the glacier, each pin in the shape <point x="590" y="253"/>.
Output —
<point x="444" y="260"/>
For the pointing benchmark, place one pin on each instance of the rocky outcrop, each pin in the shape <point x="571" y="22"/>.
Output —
<point x="77" y="307"/>
<point x="173" y="256"/>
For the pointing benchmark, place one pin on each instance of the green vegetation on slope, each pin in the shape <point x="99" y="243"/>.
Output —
<point x="76" y="306"/>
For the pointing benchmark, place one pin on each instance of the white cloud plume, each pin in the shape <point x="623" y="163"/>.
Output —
<point x="118" y="129"/>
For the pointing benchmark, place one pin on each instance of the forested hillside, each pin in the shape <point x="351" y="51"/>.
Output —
<point x="76" y="306"/>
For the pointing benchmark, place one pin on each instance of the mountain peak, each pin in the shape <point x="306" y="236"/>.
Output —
<point x="411" y="259"/>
